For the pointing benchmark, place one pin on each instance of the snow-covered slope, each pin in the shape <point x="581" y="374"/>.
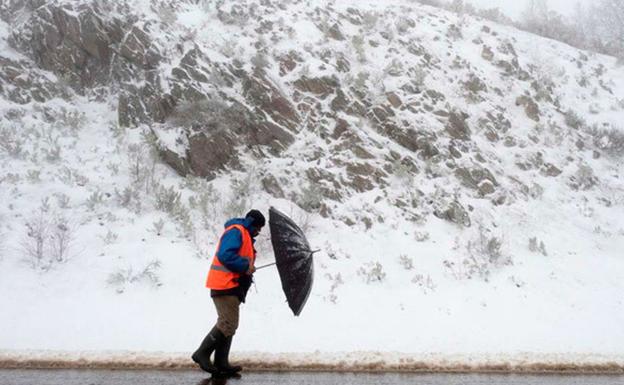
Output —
<point x="463" y="179"/>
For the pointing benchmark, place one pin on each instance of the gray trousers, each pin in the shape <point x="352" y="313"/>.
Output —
<point x="227" y="313"/>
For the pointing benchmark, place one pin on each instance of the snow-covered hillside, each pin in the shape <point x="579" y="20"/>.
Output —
<point x="463" y="179"/>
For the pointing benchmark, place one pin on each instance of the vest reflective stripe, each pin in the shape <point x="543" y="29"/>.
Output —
<point x="219" y="276"/>
<point x="220" y="268"/>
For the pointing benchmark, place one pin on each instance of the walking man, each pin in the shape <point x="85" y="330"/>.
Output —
<point x="229" y="279"/>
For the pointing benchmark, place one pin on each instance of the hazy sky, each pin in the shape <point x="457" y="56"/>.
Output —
<point x="515" y="7"/>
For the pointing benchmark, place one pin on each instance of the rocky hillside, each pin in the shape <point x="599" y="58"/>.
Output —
<point x="391" y="131"/>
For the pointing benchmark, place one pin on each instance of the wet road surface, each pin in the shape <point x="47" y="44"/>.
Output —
<point x="151" y="377"/>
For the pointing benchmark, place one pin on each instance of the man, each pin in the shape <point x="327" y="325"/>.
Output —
<point x="229" y="279"/>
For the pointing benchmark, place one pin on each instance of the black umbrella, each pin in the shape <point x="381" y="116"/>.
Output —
<point x="293" y="258"/>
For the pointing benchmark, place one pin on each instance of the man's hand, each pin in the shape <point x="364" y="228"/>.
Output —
<point x="251" y="270"/>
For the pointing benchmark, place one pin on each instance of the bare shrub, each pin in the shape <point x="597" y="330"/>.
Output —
<point x="574" y="120"/>
<point x="158" y="226"/>
<point x="406" y="262"/>
<point x="121" y="278"/>
<point x="583" y="179"/>
<point x="10" y="143"/>
<point x="421" y="236"/>
<point x="359" y="45"/>
<point x="372" y="272"/>
<point x="33" y="176"/>
<point x="419" y="76"/>
<point x="48" y="240"/>
<point x="167" y="199"/>
<point x="424" y="282"/>
<point x="484" y="254"/>
<point x="207" y="202"/>
<point x="62" y="200"/>
<point x="370" y="20"/>
<point x="537" y="246"/>
<point x="110" y="237"/>
<point x="61" y="239"/>
<point x="304" y="219"/>
<point x="72" y="119"/>
<point x="454" y="32"/>
<point x="95" y="199"/>
<point x="240" y="195"/>
<point x="142" y="164"/>
<point x="336" y="281"/>
<point x="394" y="68"/>
<point x="34" y="244"/>
<point x="311" y="197"/>
<point x="609" y="139"/>
<point x="260" y="62"/>
<point x="130" y="199"/>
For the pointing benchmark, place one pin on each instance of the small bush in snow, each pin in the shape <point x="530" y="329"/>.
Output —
<point x="142" y="165"/>
<point x="260" y="62"/>
<point x="489" y="247"/>
<point x="10" y="143"/>
<point x="121" y="278"/>
<point x="369" y="20"/>
<point x="110" y="237"/>
<point x="610" y="140"/>
<point x="403" y="24"/>
<point x="48" y="240"/>
<point x="94" y="200"/>
<point x="62" y="237"/>
<point x="359" y="45"/>
<point x="167" y="14"/>
<point x="167" y="199"/>
<point x="62" y="200"/>
<point x="33" y="176"/>
<point x="574" y="120"/>
<point x="394" y="68"/>
<point x="34" y="244"/>
<point x="372" y="272"/>
<point x="406" y="262"/>
<point x="158" y="226"/>
<point x="303" y="218"/>
<point x="454" y="32"/>
<point x="130" y="199"/>
<point x="74" y="120"/>
<point x="425" y="283"/>
<point x="208" y="202"/>
<point x="418" y="77"/>
<point x="336" y="281"/>
<point x="117" y="130"/>
<point x="483" y="254"/>
<point x="311" y="197"/>
<point x="421" y="236"/>
<point x="583" y="179"/>
<point x="240" y="196"/>
<point x="537" y="246"/>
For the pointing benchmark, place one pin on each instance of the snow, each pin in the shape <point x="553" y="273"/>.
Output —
<point x="561" y="309"/>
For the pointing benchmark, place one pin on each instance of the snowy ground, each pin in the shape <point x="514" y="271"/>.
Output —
<point x="107" y="300"/>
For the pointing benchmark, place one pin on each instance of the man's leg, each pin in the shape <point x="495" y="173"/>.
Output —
<point x="227" y="314"/>
<point x="228" y="310"/>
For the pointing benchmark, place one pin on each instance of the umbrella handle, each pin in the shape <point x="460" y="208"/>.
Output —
<point x="262" y="267"/>
<point x="274" y="263"/>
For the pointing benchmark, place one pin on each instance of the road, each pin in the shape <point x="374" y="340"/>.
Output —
<point x="151" y="377"/>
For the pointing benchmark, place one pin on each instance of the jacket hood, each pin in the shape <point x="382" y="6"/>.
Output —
<point x="246" y="222"/>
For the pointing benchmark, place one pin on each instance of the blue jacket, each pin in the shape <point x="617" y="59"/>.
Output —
<point x="231" y="242"/>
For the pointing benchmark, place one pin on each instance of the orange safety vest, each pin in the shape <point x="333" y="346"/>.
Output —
<point x="219" y="277"/>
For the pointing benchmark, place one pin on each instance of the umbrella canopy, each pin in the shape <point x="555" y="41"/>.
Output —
<point x="293" y="258"/>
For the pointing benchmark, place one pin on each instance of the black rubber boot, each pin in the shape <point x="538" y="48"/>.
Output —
<point x="208" y="345"/>
<point x="222" y="363"/>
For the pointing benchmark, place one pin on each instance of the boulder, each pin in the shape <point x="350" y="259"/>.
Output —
<point x="457" y="127"/>
<point x="455" y="213"/>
